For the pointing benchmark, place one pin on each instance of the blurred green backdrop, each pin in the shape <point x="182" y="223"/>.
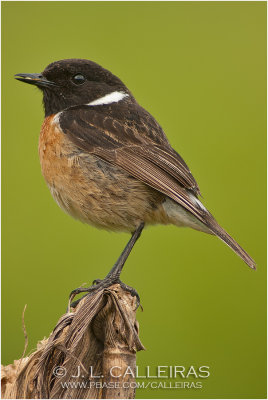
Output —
<point x="200" y="69"/>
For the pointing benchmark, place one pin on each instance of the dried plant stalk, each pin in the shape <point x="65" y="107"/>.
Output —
<point x="91" y="353"/>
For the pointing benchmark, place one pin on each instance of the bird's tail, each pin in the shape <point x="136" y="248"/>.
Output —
<point x="226" y="238"/>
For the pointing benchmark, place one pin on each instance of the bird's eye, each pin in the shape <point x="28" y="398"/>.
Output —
<point x="78" y="79"/>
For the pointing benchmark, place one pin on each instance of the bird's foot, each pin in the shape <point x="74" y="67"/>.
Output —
<point x="133" y="293"/>
<point x="100" y="284"/>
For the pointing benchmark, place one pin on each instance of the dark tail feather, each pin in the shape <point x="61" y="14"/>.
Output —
<point x="226" y="238"/>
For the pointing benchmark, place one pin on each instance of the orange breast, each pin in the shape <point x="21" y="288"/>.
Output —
<point x="60" y="168"/>
<point x="51" y="146"/>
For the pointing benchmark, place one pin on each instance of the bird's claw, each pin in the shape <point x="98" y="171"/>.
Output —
<point x="133" y="293"/>
<point x="99" y="284"/>
<point x="96" y="281"/>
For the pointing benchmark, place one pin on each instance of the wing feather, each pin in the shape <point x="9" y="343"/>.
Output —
<point x="95" y="132"/>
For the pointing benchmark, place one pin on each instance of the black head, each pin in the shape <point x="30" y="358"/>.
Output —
<point x="73" y="82"/>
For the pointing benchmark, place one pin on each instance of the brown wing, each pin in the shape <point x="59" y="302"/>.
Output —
<point x="136" y="148"/>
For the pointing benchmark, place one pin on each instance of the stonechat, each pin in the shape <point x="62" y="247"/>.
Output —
<point x="107" y="161"/>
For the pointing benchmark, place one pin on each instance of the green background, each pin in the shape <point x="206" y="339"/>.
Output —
<point x="200" y="69"/>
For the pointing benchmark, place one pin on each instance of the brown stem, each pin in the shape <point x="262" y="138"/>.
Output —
<point x="91" y="353"/>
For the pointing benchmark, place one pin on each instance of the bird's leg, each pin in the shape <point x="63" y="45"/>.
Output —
<point x="114" y="275"/>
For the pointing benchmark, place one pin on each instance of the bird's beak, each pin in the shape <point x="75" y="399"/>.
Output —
<point x="34" y="79"/>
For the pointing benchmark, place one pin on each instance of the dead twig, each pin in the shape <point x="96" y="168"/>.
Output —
<point x="91" y="353"/>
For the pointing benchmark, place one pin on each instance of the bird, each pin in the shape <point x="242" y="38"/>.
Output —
<point x="108" y="162"/>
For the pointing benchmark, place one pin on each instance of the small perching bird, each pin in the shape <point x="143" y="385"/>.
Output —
<point x="108" y="162"/>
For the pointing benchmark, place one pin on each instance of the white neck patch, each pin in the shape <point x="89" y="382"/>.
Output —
<point x="113" y="97"/>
